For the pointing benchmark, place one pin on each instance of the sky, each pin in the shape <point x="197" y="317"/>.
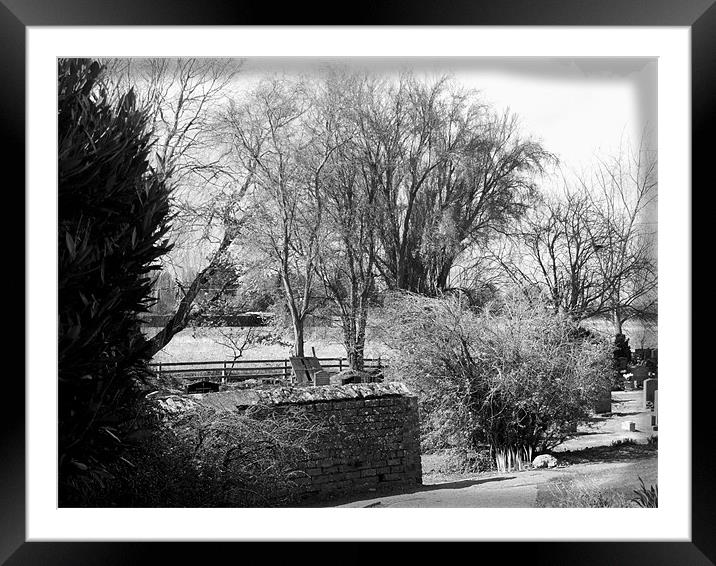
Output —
<point x="578" y="108"/>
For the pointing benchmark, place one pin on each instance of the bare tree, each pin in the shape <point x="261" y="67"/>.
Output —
<point x="623" y="190"/>
<point x="270" y="136"/>
<point x="590" y="249"/>
<point x="447" y="171"/>
<point x="552" y="251"/>
<point x="182" y="96"/>
<point x="347" y="259"/>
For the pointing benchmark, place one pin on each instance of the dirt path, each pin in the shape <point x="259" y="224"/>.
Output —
<point x="529" y="488"/>
<point x="601" y="456"/>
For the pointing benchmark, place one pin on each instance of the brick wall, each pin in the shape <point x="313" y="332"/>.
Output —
<point x="369" y="437"/>
<point x="369" y="443"/>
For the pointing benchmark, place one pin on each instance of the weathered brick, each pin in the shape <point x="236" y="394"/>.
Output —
<point x="366" y="442"/>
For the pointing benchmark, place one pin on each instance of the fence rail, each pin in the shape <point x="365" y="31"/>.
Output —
<point x="242" y="370"/>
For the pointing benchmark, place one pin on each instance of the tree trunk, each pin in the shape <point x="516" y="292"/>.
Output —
<point x="298" y="348"/>
<point x="181" y="317"/>
<point x="297" y="318"/>
<point x="360" y="339"/>
<point x="354" y="338"/>
<point x="617" y="319"/>
<point x="443" y="274"/>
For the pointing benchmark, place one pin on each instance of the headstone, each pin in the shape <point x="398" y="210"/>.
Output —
<point x="322" y="378"/>
<point x="308" y="370"/>
<point x="650" y="386"/>
<point x="655" y="412"/>
<point x="603" y="403"/>
<point x="639" y="374"/>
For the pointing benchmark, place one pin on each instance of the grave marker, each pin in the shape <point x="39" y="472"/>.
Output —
<point x="650" y="386"/>
<point x="603" y="404"/>
<point x="639" y="374"/>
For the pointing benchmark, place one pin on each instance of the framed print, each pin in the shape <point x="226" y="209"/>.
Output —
<point x="547" y="88"/>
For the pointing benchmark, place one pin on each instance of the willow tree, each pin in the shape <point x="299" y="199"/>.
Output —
<point x="447" y="171"/>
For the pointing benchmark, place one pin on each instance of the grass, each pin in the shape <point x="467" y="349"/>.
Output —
<point x="584" y="492"/>
<point x="646" y="497"/>
<point x="205" y="344"/>
<point x="619" y="451"/>
<point x="513" y="459"/>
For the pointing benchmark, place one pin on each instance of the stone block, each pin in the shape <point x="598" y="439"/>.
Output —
<point x="629" y="426"/>
<point x="603" y="404"/>
<point x="639" y="374"/>
<point x="650" y="387"/>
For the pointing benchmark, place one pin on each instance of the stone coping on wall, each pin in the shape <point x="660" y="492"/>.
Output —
<point x="283" y="396"/>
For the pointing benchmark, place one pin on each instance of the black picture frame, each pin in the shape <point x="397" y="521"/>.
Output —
<point x="17" y="15"/>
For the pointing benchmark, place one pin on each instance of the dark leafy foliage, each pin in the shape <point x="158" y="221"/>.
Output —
<point x="646" y="497"/>
<point x="622" y="350"/>
<point x="113" y="220"/>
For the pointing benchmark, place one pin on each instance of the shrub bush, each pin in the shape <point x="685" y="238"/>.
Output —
<point x="512" y="378"/>
<point x="203" y="457"/>
<point x="113" y="213"/>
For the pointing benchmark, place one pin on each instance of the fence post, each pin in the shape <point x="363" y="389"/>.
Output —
<point x="340" y="364"/>
<point x="285" y="369"/>
<point x="160" y="369"/>
<point x="223" y="374"/>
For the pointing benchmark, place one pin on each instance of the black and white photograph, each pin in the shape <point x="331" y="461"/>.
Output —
<point x="366" y="282"/>
<point x="410" y="281"/>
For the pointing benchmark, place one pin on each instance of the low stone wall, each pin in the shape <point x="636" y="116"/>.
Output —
<point x="369" y="438"/>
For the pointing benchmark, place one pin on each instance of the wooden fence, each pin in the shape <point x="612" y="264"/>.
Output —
<point x="241" y="370"/>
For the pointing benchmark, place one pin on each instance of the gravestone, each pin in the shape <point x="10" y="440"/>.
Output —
<point x="639" y="374"/>
<point x="308" y="370"/>
<point x="655" y="412"/>
<point x="650" y="386"/>
<point x="322" y="378"/>
<point x="603" y="403"/>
